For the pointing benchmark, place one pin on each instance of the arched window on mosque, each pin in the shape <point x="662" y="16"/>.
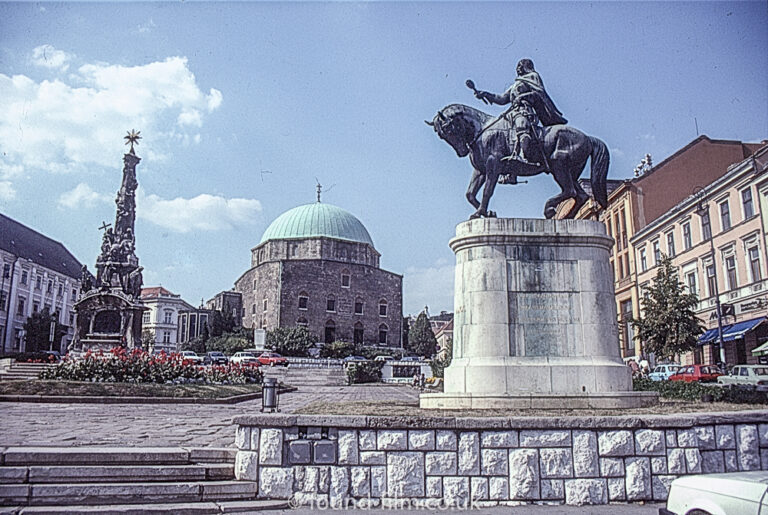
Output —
<point x="358" y="334"/>
<point x="383" y="330"/>
<point x="253" y="309"/>
<point x="358" y="306"/>
<point x="303" y="300"/>
<point x="302" y="322"/>
<point x="330" y="331"/>
<point x="383" y="307"/>
<point x="330" y="304"/>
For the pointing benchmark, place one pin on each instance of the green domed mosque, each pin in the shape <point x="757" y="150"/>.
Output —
<point x="316" y="266"/>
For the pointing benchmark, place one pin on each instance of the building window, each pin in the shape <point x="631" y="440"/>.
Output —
<point x="706" y="227"/>
<point x="166" y="337"/>
<point x="145" y="317"/>
<point x="621" y="267"/>
<point x="167" y="316"/>
<point x="358" y="334"/>
<point x="49" y="289"/>
<point x="253" y="309"/>
<point x="20" y="306"/>
<point x="254" y="285"/>
<point x="626" y="316"/>
<point x="687" y="243"/>
<point x="746" y="202"/>
<point x="725" y="216"/>
<point x="38" y="282"/>
<point x="303" y="300"/>
<point x="35" y="307"/>
<point x="264" y="305"/>
<point x="643" y="260"/>
<point x="730" y="272"/>
<point x="358" y="306"/>
<point x="6" y="271"/>
<point x="624" y="229"/>
<point x="71" y="318"/>
<point x="382" y="308"/>
<point x="330" y="303"/>
<point x="302" y="322"/>
<point x="330" y="331"/>
<point x="3" y="297"/>
<point x="345" y="279"/>
<point x="383" y="330"/>
<point x="24" y="275"/>
<point x="690" y="279"/>
<point x="617" y="230"/>
<point x="74" y="294"/>
<point x="711" y="284"/>
<point x="656" y="253"/>
<point x="753" y="254"/>
<point x="61" y="290"/>
<point x="671" y="243"/>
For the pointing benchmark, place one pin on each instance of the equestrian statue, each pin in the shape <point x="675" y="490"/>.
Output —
<point x="529" y="138"/>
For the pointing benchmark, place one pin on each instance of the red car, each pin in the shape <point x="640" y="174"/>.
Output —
<point x="272" y="359"/>
<point x="700" y="373"/>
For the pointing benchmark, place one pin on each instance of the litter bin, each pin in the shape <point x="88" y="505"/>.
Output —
<point x="269" y="396"/>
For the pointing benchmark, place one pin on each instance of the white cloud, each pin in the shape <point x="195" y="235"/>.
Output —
<point x="201" y="213"/>
<point x="7" y="192"/>
<point x="429" y="286"/>
<point x="71" y="123"/>
<point x="48" y="57"/>
<point x="82" y="196"/>
<point x="147" y="27"/>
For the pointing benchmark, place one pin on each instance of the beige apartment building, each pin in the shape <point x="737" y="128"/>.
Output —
<point x="635" y="203"/>
<point x="716" y="237"/>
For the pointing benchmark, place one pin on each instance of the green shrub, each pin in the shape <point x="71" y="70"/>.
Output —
<point x="337" y="349"/>
<point x="369" y="352"/>
<point x="698" y="391"/>
<point x="364" y="372"/>
<point x="30" y="357"/>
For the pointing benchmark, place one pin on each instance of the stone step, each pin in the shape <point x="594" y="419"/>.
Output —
<point x="114" y="474"/>
<point x="126" y="493"/>
<point x="198" y="508"/>
<point x="104" y="456"/>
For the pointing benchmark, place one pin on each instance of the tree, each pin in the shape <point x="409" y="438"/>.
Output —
<point x="668" y="324"/>
<point x="38" y="332"/>
<point x="421" y="339"/>
<point x="147" y="338"/>
<point x="337" y="349"/>
<point x="222" y="322"/>
<point x="291" y="341"/>
<point x="406" y="330"/>
<point x="231" y="342"/>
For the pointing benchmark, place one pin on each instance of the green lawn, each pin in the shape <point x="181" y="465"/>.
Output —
<point x="70" y="388"/>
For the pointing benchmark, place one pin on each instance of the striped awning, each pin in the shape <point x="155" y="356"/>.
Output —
<point x="709" y="336"/>
<point x="738" y="330"/>
<point x="761" y="350"/>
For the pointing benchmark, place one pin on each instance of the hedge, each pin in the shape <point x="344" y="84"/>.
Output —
<point x="702" y="391"/>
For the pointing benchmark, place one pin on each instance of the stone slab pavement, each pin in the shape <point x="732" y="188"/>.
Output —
<point x="160" y="425"/>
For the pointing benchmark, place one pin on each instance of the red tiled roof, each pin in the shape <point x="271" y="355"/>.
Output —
<point x="155" y="291"/>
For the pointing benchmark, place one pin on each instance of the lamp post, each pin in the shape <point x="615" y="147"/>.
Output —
<point x="702" y="209"/>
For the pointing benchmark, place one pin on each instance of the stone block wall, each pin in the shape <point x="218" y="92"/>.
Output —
<point x="338" y="460"/>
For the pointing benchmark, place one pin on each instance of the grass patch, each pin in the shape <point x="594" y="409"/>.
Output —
<point x="401" y="408"/>
<point x="77" y="388"/>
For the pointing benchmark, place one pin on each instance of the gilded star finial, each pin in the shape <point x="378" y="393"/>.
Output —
<point x="133" y="137"/>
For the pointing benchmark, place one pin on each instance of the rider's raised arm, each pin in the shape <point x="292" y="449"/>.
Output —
<point x="493" y="98"/>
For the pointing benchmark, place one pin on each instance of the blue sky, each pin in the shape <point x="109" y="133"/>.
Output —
<point x="243" y="105"/>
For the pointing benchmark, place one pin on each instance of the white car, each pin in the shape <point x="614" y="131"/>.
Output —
<point x="244" y="358"/>
<point x="192" y="356"/>
<point x="742" y="493"/>
<point x="747" y="375"/>
<point x="662" y="372"/>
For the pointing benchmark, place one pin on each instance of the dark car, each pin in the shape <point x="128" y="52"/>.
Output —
<point x="215" y="358"/>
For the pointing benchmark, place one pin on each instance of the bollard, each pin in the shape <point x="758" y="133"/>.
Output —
<point x="269" y="396"/>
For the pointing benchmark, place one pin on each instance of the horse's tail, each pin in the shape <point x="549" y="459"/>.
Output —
<point x="599" y="174"/>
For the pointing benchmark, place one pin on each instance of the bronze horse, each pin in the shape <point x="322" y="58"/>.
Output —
<point x="486" y="140"/>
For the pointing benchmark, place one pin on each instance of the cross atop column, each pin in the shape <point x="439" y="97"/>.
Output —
<point x="104" y="226"/>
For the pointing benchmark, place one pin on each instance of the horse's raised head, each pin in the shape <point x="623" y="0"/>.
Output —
<point x="449" y="126"/>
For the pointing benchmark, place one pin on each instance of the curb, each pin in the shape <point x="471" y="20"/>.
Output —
<point x="83" y="399"/>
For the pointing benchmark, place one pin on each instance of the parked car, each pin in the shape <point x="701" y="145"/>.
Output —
<point x="662" y="372"/>
<point x="749" y="375"/>
<point x="191" y="356"/>
<point x="410" y="358"/>
<point x="383" y="358"/>
<point x="244" y="358"/>
<point x="52" y="355"/>
<point x="215" y="358"/>
<point x="745" y="493"/>
<point x="355" y="358"/>
<point x="693" y="373"/>
<point x="272" y="359"/>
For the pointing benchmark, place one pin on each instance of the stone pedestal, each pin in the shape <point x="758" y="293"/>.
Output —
<point x="535" y="319"/>
<point x="107" y="319"/>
